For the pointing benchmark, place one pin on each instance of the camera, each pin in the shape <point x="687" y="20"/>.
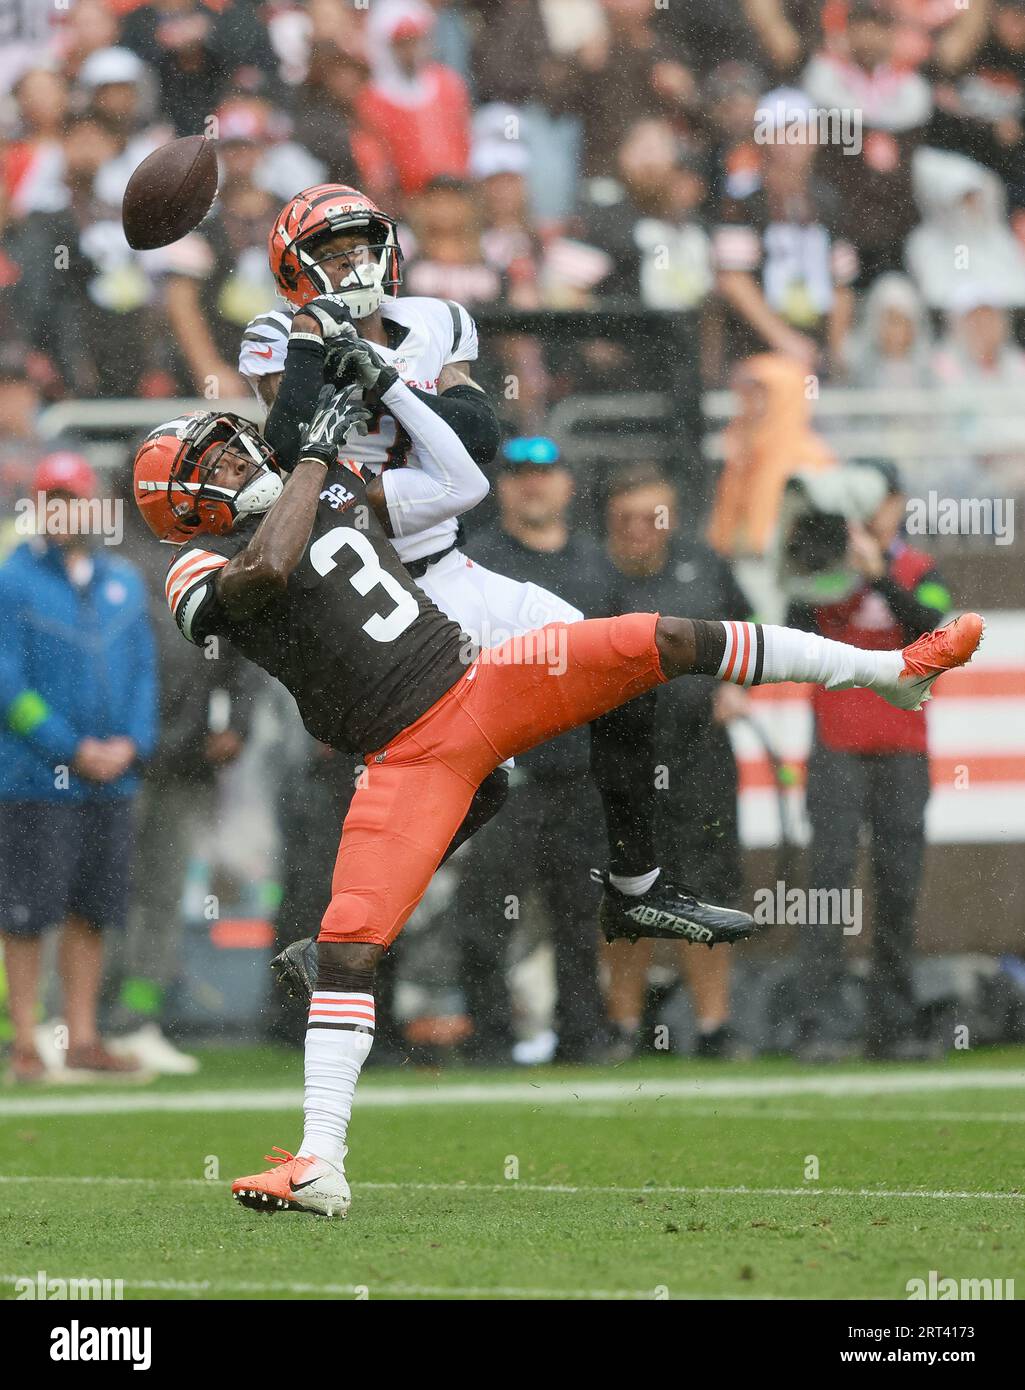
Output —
<point x="811" y="553"/>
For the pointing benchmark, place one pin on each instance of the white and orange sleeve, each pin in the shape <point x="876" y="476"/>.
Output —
<point x="189" y="586"/>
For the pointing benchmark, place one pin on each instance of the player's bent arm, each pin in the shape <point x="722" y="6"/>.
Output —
<point x="295" y="392"/>
<point x="259" y="573"/>
<point x="465" y="406"/>
<point x="448" y="481"/>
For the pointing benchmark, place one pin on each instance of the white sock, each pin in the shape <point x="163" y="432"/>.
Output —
<point x="339" y="1037"/>
<point x="634" y="885"/>
<point x="787" y="654"/>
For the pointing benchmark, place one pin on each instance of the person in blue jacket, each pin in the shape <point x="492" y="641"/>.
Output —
<point x="78" y="705"/>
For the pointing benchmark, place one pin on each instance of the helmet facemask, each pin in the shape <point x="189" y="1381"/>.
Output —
<point x="203" y="444"/>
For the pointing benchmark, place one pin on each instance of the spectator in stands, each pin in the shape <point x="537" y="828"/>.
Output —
<point x="538" y="89"/>
<point x="324" y="110"/>
<point x="257" y="144"/>
<point x="783" y="259"/>
<point x="634" y="69"/>
<point x="978" y="348"/>
<point x="787" y="32"/>
<point x="218" y="276"/>
<point x="78" y="691"/>
<point x="696" y="829"/>
<point x="649" y="224"/>
<point x="510" y="241"/>
<point x="200" y="54"/>
<point x="415" y="111"/>
<point x="980" y="109"/>
<point x="204" y="714"/>
<point x="871" y="171"/>
<point x="964" y="235"/>
<point x="32" y="160"/>
<point x="92" y="293"/>
<point x="553" y="817"/>
<point x="89" y="26"/>
<point x="447" y="262"/>
<point x="121" y="91"/>
<point x="770" y="438"/>
<point x="891" y="345"/>
<point x="730" y="102"/>
<point x="869" y="764"/>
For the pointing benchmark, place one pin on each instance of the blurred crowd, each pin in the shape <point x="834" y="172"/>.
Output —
<point x="541" y="155"/>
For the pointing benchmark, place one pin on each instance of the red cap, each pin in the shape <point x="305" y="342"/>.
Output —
<point x="66" y="472"/>
<point x="410" y="26"/>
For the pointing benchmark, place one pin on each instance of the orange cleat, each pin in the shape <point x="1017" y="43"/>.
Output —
<point x="933" y="653"/>
<point x="295" y="1184"/>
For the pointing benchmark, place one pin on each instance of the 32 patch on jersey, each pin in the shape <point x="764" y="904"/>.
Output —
<point x="338" y="496"/>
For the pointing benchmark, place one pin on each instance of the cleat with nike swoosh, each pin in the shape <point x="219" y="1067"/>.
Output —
<point x="669" y="912"/>
<point x="295" y="1184"/>
<point x="926" y="659"/>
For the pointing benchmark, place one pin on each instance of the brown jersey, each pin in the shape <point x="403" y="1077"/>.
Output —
<point x="362" y="649"/>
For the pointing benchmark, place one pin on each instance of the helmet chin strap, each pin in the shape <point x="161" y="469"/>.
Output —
<point x="260" y="494"/>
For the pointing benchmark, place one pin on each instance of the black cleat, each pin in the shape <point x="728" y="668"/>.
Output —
<point x="295" y="968"/>
<point x="669" y="912"/>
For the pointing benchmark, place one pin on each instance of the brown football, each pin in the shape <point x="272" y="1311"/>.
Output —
<point x="170" y="192"/>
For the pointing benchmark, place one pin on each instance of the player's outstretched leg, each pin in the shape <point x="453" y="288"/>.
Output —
<point x="760" y="654"/>
<point x="594" y="667"/>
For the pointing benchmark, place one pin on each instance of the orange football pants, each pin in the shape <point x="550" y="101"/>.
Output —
<point x="417" y="789"/>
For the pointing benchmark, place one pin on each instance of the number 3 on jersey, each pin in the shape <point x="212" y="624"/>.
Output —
<point x="369" y="576"/>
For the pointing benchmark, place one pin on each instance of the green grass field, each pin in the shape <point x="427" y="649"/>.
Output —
<point x="657" y="1179"/>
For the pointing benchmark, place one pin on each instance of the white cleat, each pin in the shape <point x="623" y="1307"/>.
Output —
<point x="295" y="1184"/>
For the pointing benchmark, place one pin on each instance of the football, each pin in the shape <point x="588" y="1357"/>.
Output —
<point x="170" y="193"/>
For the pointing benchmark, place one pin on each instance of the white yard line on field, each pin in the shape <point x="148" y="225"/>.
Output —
<point x="560" y="1189"/>
<point x="370" y="1292"/>
<point x="897" y="1082"/>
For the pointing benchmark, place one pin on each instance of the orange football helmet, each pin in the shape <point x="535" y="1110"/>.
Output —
<point x="326" y="210"/>
<point x="172" y="476"/>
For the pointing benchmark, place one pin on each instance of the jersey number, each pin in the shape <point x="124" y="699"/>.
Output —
<point x="367" y="577"/>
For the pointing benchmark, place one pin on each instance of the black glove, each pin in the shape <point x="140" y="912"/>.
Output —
<point x="337" y="415"/>
<point x="334" y="318"/>
<point x="358" y="363"/>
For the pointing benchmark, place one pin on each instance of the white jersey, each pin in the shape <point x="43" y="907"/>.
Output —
<point x="426" y="335"/>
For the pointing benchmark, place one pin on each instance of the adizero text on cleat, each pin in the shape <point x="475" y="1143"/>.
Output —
<point x="926" y="659"/>
<point x="669" y="911"/>
<point x="295" y="1184"/>
<point x="295" y="968"/>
